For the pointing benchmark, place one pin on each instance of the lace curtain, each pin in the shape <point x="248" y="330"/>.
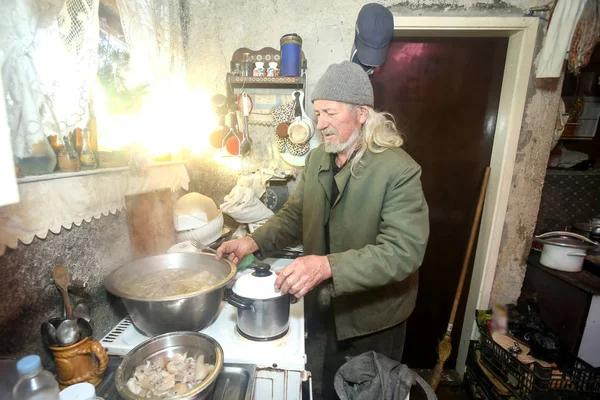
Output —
<point x="49" y="54"/>
<point x="154" y="36"/>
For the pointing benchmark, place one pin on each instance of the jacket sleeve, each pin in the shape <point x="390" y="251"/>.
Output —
<point x="400" y="244"/>
<point x="285" y="227"/>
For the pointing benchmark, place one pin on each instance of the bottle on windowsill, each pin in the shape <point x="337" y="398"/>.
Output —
<point x="87" y="159"/>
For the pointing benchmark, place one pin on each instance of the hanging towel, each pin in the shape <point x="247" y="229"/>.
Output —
<point x="585" y="36"/>
<point x="558" y="38"/>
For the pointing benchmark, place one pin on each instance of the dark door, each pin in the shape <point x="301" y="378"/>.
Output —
<point x="444" y="94"/>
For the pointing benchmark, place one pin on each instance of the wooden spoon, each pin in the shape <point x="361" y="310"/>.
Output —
<point x="61" y="279"/>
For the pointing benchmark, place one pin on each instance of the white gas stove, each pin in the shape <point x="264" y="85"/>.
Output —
<point x="280" y="363"/>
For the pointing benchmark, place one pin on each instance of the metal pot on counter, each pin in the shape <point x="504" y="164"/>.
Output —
<point x="564" y="251"/>
<point x="262" y="312"/>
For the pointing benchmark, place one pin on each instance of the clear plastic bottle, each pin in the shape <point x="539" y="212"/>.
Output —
<point x="34" y="383"/>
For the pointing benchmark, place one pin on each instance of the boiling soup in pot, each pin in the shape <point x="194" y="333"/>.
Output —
<point x="168" y="282"/>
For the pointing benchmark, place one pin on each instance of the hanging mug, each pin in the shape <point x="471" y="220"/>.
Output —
<point x="302" y="129"/>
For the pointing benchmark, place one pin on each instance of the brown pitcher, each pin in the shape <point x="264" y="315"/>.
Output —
<point x="84" y="361"/>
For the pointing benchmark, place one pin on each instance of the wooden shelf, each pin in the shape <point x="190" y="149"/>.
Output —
<point x="266" y="82"/>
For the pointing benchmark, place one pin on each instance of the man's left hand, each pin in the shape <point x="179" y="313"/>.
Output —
<point x="302" y="275"/>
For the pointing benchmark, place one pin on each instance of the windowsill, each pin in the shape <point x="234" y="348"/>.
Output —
<point x="62" y="175"/>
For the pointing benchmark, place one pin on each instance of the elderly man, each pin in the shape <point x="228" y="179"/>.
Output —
<point x="361" y="215"/>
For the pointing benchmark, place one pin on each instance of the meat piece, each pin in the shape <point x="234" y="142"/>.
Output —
<point x="168" y="376"/>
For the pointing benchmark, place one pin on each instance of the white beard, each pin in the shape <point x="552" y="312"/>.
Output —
<point x="340" y="147"/>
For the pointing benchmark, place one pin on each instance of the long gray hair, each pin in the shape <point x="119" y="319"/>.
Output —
<point x="378" y="134"/>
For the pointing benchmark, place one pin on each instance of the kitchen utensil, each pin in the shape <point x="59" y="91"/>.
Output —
<point x="246" y="143"/>
<point x="56" y="321"/>
<point x="243" y="264"/>
<point x="84" y="361"/>
<point x="445" y="345"/>
<point x="219" y="104"/>
<point x="564" y="251"/>
<point x="48" y="332"/>
<point x="302" y="129"/>
<point x="192" y="311"/>
<point x="262" y="312"/>
<point x="85" y="329"/>
<point x="193" y="344"/>
<point x="61" y="279"/>
<point x="82" y="310"/>
<point x="67" y="332"/>
<point x="217" y="136"/>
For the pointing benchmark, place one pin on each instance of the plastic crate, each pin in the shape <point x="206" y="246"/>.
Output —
<point x="476" y="383"/>
<point x="577" y="379"/>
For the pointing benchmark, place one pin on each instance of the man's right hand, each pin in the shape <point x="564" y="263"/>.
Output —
<point x="237" y="249"/>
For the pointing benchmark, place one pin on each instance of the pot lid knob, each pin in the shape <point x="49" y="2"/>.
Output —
<point x="262" y="270"/>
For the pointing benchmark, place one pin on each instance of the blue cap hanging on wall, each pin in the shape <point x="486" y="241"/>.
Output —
<point x="374" y="33"/>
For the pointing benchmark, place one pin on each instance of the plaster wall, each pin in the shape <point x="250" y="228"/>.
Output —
<point x="218" y="28"/>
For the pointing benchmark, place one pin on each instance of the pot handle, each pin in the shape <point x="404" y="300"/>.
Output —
<point x="576" y="254"/>
<point x="239" y="302"/>
<point x="563" y="233"/>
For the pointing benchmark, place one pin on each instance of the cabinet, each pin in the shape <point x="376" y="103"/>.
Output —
<point x="569" y="304"/>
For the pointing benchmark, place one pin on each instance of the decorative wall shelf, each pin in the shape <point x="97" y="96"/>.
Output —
<point x="266" y="54"/>
<point x="266" y="81"/>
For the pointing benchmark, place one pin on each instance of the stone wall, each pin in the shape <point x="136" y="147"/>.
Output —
<point x="28" y="295"/>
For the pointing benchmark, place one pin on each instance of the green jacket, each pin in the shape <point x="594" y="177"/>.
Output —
<point x="379" y="228"/>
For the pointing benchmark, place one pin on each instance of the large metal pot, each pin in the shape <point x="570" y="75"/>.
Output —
<point x="189" y="312"/>
<point x="193" y="344"/>
<point x="262" y="312"/>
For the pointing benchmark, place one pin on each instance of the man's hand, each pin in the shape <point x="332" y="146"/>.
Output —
<point x="302" y="275"/>
<point x="237" y="249"/>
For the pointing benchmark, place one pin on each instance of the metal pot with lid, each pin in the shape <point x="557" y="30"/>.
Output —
<point x="564" y="251"/>
<point x="263" y="313"/>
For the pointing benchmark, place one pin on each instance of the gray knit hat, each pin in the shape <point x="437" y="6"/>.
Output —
<point x="345" y="82"/>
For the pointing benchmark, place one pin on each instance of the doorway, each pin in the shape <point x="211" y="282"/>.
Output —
<point x="521" y="33"/>
<point x="444" y="94"/>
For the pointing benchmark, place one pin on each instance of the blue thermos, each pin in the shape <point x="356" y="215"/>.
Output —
<point x="291" y="46"/>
